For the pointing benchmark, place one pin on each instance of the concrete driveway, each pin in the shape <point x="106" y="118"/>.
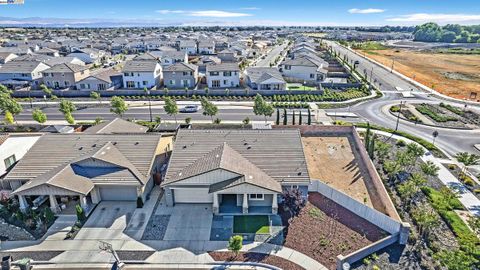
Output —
<point x="108" y="221"/>
<point x="187" y="221"/>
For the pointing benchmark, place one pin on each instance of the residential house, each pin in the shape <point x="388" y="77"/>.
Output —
<point x="223" y="75"/>
<point x="48" y="51"/>
<point x="236" y="171"/>
<point x="188" y="46"/>
<point x="206" y="47"/>
<point x="107" y="80"/>
<point x="168" y="58"/>
<point x="265" y="78"/>
<point x="228" y="56"/>
<point x="20" y="50"/>
<point x="87" y="168"/>
<point x="88" y="55"/>
<point x="6" y="57"/>
<point x="180" y="75"/>
<point x="16" y="74"/>
<point x="138" y="74"/>
<point x="64" y="76"/>
<point x="13" y="147"/>
<point x="303" y="69"/>
<point x="207" y="60"/>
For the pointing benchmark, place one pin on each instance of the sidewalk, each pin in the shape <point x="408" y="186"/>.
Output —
<point x="468" y="200"/>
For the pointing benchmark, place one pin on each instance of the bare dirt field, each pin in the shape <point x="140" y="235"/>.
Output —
<point x="455" y="75"/>
<point x="331" y="160"/>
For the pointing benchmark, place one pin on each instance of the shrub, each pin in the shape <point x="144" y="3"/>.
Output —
<point x="395" y="108"/>
<point x="401" y="143"/>
<point x="451" y="167"/>
<point x="427" y="110"/>
<point x="80" y="213"/>
<point x="139" y="202"/>
<point x="235" y="244"/>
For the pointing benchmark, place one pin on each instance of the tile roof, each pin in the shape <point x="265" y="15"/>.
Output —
<point x="20" y="66"/>
<point x="140" y="65"/>
<point x="223" y="67"/>
<point x="181" y="66"/>
<point x="66" y="68"/>
<point x="260" y="74"/>
<point x="278" y="153"/>
<point x="116" y="126"/>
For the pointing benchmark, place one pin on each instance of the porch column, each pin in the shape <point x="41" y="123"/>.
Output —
<point x="54" y="204"/>
<point x="215" y="204"/>
<point x="245" y="203"/>
<point x="274" y="204"/>
<point x="83" y="201"/>
<point x="23" y="203"/>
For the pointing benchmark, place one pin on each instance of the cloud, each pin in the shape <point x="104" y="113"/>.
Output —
<point x="204" y="13"/>
<point x="217" y="14"/>
<point x="168" y="11"/>
<point x="439" y="18"/>
<point x="365" y="11"/>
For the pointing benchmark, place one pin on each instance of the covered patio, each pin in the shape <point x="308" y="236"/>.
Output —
<point x="241" y="204"/>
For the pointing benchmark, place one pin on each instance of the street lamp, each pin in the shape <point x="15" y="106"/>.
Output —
<point x="435" y="135"/>
<point x="398" y="115"/>
<point x="149" y="104"/>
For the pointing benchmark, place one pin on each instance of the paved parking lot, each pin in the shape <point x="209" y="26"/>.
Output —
<point x="108" y="221"/>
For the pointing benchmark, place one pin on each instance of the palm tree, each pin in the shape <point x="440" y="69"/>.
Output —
<point x="467" y="159"/>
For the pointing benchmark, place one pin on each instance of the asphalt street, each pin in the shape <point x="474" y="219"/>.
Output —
<point x="271" y="56"/>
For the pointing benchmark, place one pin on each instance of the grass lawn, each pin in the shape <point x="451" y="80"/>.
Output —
<point x="251" y="224"/>
<point x="299" y="87"/>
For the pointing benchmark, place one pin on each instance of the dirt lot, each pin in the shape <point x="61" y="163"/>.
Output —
<point x="331" y="160"/>
<point x="324" y="229"/>
<point x="456" y="75"/>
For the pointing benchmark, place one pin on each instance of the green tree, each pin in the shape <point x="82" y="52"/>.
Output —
<point x="80" y="213"/>
<point x="95" y="96"/>
<point x="277" y="121"/>
<point x="67" y="108"/>
<point x="382" y="150"/>
<point x="188" y="120"/>
<point x="97" y="120"/>
<point x="467" y="159"/>
<point x="9" y="119"/>
<point x="285" y="117"/>
<point x="171" y="107"/>
<point x="235" y="244"/>
<point x="246" y="121"/>
<point x="261" y="107"/>
<point x="47" y="91"/>
<point x="209" y="109"/>
<point x="118" y="106"/>
<point x="309" y="120"/>
<point x="39" y="116"/>
<point x="69" y="118"/>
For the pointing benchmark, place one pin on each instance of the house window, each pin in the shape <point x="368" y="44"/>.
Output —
<point x="10" y="161"/>
<point x="312" y="76"/>
<point x="227" y="73"/>
<point x="172" y="82"/>
<point x="287" y="67"/>
<point x="214" y="73"/>
<point x="130" y="84"/>
<point x="126" y="74"/>
<point x="67" y="83"/>
<point x="256" y="197"/>
<point x="216" y="83"/>
<point x="82" y="86"/>
<point x="145" y="82"/>
<point x="225" y="82"/>
<point x="102" y="86"/>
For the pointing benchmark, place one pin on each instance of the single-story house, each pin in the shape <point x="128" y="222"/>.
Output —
<point x="235" y="171"/>
<point x="85" y="169"/>
<point x="265" y="78"/>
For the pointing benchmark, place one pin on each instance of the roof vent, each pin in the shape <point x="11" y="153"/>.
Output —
<point x="245" y="143"/>
<point x="94" y="145"/>
<point x="184" y="147"/>
<point x="114" y="143"/>
<point x="81" y="148"/>
<point x="249" y="147"/>
<point x="299" y="173"/>
<point x="136" y="143"/>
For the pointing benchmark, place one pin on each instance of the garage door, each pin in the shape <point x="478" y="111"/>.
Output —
<point x="118" y="193"/>
<point x="192" y="195"/>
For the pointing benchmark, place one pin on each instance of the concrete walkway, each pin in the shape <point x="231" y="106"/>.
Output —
<point x="468" y="200"/>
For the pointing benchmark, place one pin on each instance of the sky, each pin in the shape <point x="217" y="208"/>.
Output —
<point x="245" y="12"/>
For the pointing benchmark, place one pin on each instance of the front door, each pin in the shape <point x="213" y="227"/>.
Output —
<point x="229" y="199"/>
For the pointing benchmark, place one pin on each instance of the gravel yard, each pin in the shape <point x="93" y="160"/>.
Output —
<point x="256" y="257"/>
<point x="156" y="227"/>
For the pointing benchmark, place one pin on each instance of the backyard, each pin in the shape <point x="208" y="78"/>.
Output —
<point x="332" y="160"/>
<point x="455" y="75"/>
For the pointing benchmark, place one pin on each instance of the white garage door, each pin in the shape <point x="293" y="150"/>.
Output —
<point x="118" y="193"/>
<point x="192" y="195"/>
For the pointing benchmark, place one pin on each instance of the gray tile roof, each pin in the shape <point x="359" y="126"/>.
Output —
<point x="223" y="67"/>
<point x="66" y="68"/>
<point x="53" y="152"/>
<point x="116" y="126"/>
<point x="140" y="66"/>
<point x="260" y="74"/>
<point x="19" y="67"/>
<point x="278" y="153"/>
<point x="181" y="66"/>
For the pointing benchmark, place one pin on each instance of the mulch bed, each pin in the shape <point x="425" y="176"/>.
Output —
<point x="324" y="229"/>
<point x="134" y="255"/>
<point x="255" y="257"/>
<point x="34" y="255"/>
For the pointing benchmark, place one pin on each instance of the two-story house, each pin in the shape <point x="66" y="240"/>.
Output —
<point x="64" y="76"/>
<point x="303" y="69"/>
<point x="206" y="47"/>
<point x="188" y="46"/>
<point x="138" y="74"/>
<point x="16" y="74"/>
<point x="223" y="75"/>
<point x="180" y="75"/>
